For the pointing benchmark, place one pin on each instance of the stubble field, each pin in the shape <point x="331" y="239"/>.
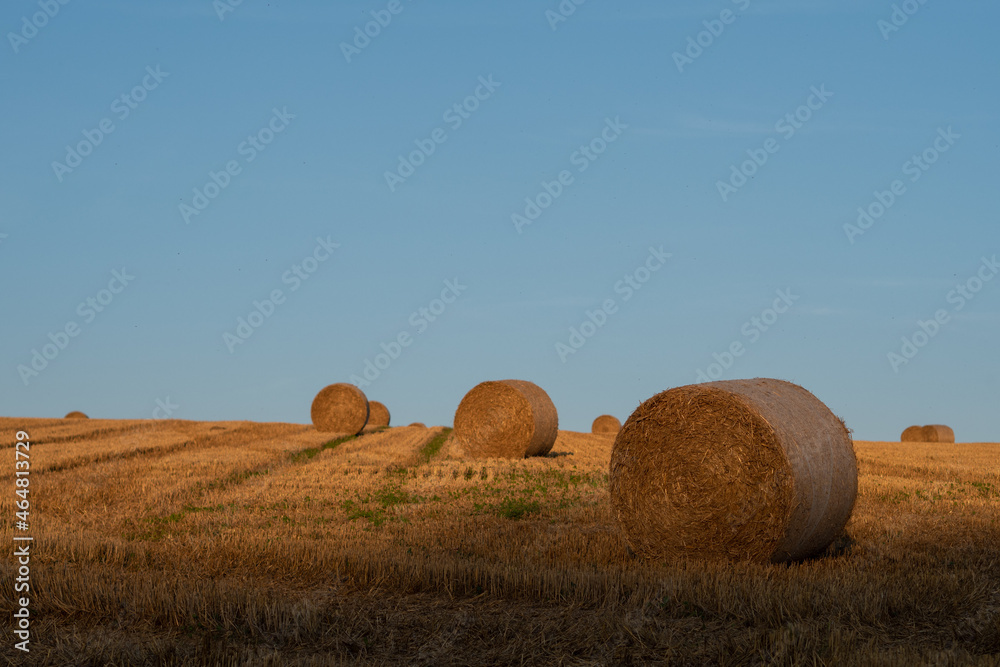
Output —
<point x="233" y="543"/>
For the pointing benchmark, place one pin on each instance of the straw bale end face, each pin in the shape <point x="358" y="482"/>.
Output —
<point x="340" y="408"/>
<point x="743" y="469"/>
<point x="606" y="424"/>
<point x="76" y="414"/>
<point x="506" y="419"/>
<point x="912" y="434"/>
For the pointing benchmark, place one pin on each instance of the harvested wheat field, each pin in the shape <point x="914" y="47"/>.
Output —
<point x="239" y="543"/>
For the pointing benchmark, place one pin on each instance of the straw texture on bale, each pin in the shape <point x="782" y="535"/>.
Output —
<point x="506" y="419"/>
<point x="76" y="414"/>
<point x="744" y="469"/>
<point x="606" y="424"/>
<point x="340" y="408"/>
<point x="938" y="433"/>
<point x="912" y="434"/>
<point x="378" y="414"/>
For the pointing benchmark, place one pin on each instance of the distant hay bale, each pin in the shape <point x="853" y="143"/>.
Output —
<point x="76" y="414"/>
<point x="378" y="414"/>
<point x="506" y="419"/>
<point x="418" y="424"/>
<point x="932" y="433"/>
<point x="340" y="408"/>
<point x="606" y="424"/>
<point x="938" y="433"/>
<point x="743" y="469"/>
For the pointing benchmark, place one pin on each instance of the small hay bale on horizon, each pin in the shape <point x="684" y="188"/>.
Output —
<point x="938" y="433"/>
<point x="931" y="433"/>
<point x="419" y="424"/>
<point x="757" y="470"/>
<point x="76" y="414"/>
<point x="378" y="414"/>
<point x="510" y="419"/>
<point x="340" y="408"/>
<point x="606" y="424"/>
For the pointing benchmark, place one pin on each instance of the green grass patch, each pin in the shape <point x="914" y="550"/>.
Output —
<point x="428" y="451"/>
<point x="393" y="495"/>
<point x="207" y="508"/>
<point x="306" y="454"/>
<point x="896" y="497"/>
<point x="510" y="507"/>
<point x="376" y="507"/>
<point x="517" y="508"/>
<point x="985" y="489"/>
<point x="375" y="517"/>
<point x="158" y="527"/>
<point x="234" y="478"/>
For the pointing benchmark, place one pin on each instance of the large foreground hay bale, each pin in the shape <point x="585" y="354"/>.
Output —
<point x="938" y="433"/>
<point x="606" y="424"/>
<point x="340" y="408"/>
<point x="378" y="414"/>
<point x="506" y="419"/>
<point x="76" y="414"/>
<point x="912" y="434"/>
<point x="742" y="469"/>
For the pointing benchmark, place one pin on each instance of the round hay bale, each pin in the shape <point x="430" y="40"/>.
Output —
<point x="340" y="408"/>
<point x="742" y="469"/>
<point x="506" y="419"/>
<point x="912" y="434"/>
<point x="938" y="433"/>
<point x="421" y="425"/>
<point x="76" y="414"/>
<point x="378" y="414"/>
<point x="606" y="424"/>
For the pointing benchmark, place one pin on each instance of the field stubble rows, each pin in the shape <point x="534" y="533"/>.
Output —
<point x="274" y="544"/>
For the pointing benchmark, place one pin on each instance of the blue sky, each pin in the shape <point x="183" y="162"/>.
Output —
<point x="659" y="138"/>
